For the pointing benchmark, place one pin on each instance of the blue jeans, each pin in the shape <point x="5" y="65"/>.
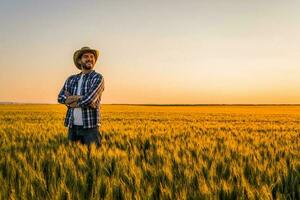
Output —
<point x="85" y="135"/>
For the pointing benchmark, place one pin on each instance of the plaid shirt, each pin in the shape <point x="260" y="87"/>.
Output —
<point x="91" y="92"/>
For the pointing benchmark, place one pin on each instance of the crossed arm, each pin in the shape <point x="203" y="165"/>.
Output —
<point x="71" y="100"/>
<point x="91" y="99"/>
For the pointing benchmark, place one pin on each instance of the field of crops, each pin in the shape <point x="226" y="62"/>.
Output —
<point x="153" y="152"/>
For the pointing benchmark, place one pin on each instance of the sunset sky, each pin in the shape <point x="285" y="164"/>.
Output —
<point x="154" y="51"/>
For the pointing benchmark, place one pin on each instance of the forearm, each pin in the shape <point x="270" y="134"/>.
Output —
<point x="93" y="103"/>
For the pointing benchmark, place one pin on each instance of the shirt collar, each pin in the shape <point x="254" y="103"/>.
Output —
<point x="87" y="74"/>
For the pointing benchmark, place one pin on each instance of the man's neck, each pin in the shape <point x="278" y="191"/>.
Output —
<point x="86" y="71"/>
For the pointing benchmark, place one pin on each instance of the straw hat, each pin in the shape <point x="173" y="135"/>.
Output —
<point x="77" y="55"/>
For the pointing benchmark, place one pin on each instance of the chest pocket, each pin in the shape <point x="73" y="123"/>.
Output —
<point x="86" y="85"/>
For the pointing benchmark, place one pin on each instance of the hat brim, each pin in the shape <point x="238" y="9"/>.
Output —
<point x="79" y="53"/>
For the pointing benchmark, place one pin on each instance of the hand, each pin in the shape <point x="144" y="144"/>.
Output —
<point x="93" y="105"/>
<point x="71" y="99"/>
<point x="73" y="105"/>
<point x="68" y="100"/>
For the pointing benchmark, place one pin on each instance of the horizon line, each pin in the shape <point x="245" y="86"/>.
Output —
<point x="175" y="104"/>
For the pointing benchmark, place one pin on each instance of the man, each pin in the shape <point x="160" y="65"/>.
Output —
<point x="82" y="93"/>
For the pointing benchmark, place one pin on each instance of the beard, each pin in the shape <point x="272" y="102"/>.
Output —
<point x="87" y="66"/>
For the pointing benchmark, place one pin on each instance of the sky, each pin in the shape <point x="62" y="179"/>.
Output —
<point x="160" y="52"/>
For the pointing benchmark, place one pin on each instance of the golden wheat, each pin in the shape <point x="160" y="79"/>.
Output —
<point x="153" y="152"/>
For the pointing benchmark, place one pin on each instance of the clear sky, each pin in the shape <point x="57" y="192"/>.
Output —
<point x="154" y="51"/>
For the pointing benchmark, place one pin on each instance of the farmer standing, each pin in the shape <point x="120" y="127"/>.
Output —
<point x="82" y="93"/>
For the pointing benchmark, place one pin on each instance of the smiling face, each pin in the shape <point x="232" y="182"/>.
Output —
<point x="87" y="61"/>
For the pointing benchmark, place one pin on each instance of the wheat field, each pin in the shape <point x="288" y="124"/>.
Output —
<point x="153" y="152"/>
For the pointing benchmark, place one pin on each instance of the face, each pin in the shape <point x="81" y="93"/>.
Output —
<point x="87" y="61"/>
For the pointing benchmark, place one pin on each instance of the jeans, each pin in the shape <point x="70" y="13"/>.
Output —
<point x="85" y="135"/>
